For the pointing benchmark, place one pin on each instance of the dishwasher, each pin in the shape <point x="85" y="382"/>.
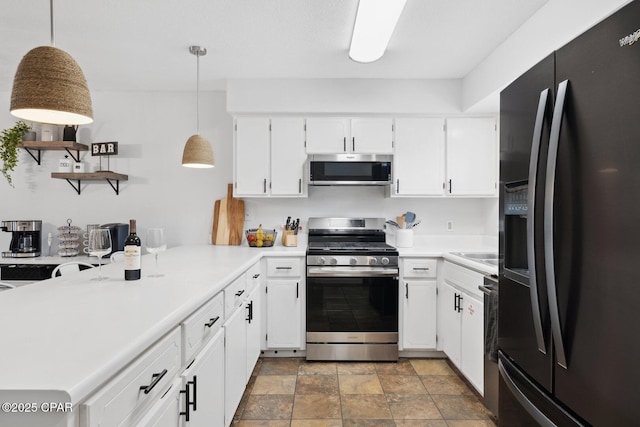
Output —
<point x="491" y="376"/>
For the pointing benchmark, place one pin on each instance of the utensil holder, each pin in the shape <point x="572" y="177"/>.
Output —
<point x="404" y="238"/>
<point x="289" y="238"/>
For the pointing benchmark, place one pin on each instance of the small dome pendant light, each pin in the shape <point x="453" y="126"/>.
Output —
<point x="197" y="151"/>
<point x="49" y="87"/>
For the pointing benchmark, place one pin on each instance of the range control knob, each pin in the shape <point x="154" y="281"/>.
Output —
<point x="321" y="260"/>
<point x="373" y="261"/>
<point x="353" y="261"/>
<point x="333" y="261"/>
<point x="384" y="260"/>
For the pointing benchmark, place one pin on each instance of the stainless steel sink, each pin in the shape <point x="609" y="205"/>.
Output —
<point x="477" y="255"/>
<point x="487" y="258"/>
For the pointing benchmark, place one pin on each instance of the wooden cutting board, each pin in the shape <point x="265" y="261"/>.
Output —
<point x="228" y="220"/>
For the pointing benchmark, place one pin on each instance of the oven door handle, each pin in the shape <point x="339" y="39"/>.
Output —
<point x="350" y="272"/>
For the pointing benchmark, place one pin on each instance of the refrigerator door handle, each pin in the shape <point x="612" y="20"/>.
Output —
<point x="531" y="219"/>
<point x="535" y="413"/>
<point x="550" y="181"/>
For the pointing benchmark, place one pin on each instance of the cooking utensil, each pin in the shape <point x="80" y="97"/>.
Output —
<point x="228" y="220"/>
<point x="410" y="217"/>
<point x="400" y="221"/>
<point x="415" y="223"/>
<point x="391" y="222"/>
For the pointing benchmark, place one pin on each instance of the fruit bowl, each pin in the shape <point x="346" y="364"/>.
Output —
<point x="268" y="237"/>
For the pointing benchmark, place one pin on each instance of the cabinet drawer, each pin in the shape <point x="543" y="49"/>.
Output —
<point x="234" y="294"/>
<point x="120" y="401"/>
<point x="253" y="277"/>
<point x="420" y="267"/>
<point x="200" y="326"/>
<point x="283" y="267"/>
<point x="463" y="278"/>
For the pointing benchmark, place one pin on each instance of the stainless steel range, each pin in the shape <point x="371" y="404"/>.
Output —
<point x="352" y="291"/>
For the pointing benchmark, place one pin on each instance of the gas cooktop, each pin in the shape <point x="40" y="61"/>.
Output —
<point x="351" y="246"/>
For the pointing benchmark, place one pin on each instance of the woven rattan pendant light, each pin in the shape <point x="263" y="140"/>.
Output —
<point x="197" y="151"/>
<point x="49" y="87"/>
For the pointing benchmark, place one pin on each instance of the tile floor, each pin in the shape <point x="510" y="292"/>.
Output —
<point x="286" y="392"/>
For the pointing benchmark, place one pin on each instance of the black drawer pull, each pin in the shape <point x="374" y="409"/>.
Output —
<point x="284" y="268"/>
<point x="255" y="276"/>
<point x="155" y="380"/>
<point x="212" y="321"/>
<point x="421" y="268"/>
<point x="240" y="293"/>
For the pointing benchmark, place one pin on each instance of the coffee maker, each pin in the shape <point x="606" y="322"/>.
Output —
<point x="25" y="239"/>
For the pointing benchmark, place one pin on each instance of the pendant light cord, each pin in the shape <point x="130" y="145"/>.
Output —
<point x="197" y="92"/>
<point x="53" y="33"/>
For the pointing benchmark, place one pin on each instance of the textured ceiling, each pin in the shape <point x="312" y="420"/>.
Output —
<point x="143" y="44"/>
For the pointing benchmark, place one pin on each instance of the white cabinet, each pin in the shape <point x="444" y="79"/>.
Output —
<point x="235" y="362"/>
<point x="284" y="295"/>
<point x="203" y="386"/>
<point x="461" y="321"/>
<point x="418" y="299"/>
<point x="471" y="157"/>
<point x="253" y="316"/>
<point x="327" y="135"/>
<point x="270" y="157"/>
<point x="251" y="156"/>
<point x="166" y="411"/>
<point x="418" y="163"/>
<point x="288" y="157"/>
<point x="372" y="135"/>
<point x="331" y="135"/>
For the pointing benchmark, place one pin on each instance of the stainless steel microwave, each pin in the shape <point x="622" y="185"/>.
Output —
<point x="350" y="169"/>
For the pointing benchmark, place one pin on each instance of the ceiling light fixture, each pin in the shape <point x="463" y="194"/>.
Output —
<point x="49" y="87"/>
<point x="375" y="22"/>
<point x="197" y="151"/>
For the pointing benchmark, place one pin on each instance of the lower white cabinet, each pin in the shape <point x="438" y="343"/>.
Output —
<point x="202" y="403"/>
<point x="253" y="316"/>
<point x="283" y="313"/>
<point x="461" y="320"/>
<point x="166" y="412"/>
<point x="419" y="316"/>
<point x="235" y="363"/>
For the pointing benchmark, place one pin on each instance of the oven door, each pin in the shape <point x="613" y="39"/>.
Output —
<point x="352" y="313"/>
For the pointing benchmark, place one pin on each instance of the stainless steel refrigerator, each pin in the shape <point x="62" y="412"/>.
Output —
<point x="569" y="301"/>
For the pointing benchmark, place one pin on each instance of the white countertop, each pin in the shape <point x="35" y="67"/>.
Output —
<point x="71" y="334"/>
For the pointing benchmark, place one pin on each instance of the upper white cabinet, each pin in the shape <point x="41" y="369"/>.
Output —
<point x="471" y="157"/>
<point x="270" y="157"/>
<point x="372" y="136"/>
<point x="327" y="135"/>
<point x="252" y="163"/>
<point x="418" y="163"/>
<point x="331" y="135"/>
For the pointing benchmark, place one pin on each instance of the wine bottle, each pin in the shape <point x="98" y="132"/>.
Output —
<point x="132" y="253"/>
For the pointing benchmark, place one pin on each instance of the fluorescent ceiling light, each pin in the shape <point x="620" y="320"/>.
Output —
<point x="375" y="22"/>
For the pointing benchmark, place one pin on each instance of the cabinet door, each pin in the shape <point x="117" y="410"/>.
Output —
<point x="165" y="412"/>
<point x="472" y="341"/>
<point x="253" y="317"/>
<point x="252" y="156"/>
<point x="450" y="331"/>
<point x="418" y="163"/>
<point x="288" y="157"/>
<point x="371" y="136"/>
<point x="235" y="362"/>
<point x="327" y="135"/>
<point x="204" y="377"/>
<point x="471" y="156"/>
<point x="419" y="318"/>
<point x="283" y="314"/>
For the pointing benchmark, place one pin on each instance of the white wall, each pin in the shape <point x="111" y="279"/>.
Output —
<point x="151" y="128"/>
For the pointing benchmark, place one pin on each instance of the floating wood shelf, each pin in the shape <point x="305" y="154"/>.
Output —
<point x="40" y="146"/>
<point x="109" y="176"/>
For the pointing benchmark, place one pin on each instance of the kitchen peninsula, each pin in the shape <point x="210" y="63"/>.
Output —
<point x="72" y="337"/>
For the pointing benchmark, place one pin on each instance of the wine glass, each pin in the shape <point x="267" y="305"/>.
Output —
<point x="99" y="245"/>
<point x="156" y="244"/>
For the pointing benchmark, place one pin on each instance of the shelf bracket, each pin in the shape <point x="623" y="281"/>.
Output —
<point x="74" y="187"/>
<point x="75" y="158"/>
<point x="37" y="159"/>
<point x="116" y="188"/>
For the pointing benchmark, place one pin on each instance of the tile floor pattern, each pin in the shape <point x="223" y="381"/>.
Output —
<point x="287" y="392"/>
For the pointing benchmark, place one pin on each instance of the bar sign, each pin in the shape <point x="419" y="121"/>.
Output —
<point x="104" y="148"/>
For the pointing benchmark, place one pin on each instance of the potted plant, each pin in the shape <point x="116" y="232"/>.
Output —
<point x="9" y="139"/>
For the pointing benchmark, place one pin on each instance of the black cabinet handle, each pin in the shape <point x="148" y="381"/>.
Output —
<point x="406" y="290"/>
<point x="240" y="293"/>
<point x="353" y="143"/>
<point x="249" y="317"/>
<point x="187" y="401"/>
<point x="284" y="268"/>
<point x="195" y="392"/>
<point x="455" y="302"/>
<point x="155" y="379"/>
<point x="255" y="276"/>
<point x="449" y="186"/>
<point x="344" y="143"/>
<point x="297" y="291"/>
<point x="300" y="185"/>
<point x="460" y="303"/>
<point x="397" y="186"/>
<point x="212" y="321"/>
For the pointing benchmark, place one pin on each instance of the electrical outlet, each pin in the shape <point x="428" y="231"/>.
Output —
<point x="449" y="225"/>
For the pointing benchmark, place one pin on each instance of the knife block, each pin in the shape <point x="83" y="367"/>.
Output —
<point x="289" y="238"/>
